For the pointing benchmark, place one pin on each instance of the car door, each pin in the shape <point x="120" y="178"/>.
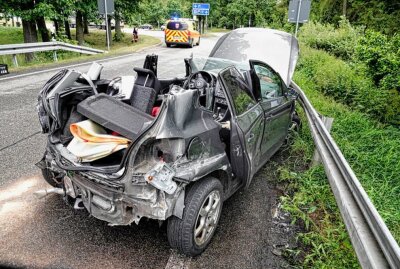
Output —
<point x="247" y="124"/>
<point x="277" y="108"/>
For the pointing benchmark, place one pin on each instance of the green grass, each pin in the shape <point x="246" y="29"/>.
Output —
<point x="96" y="39"/>
<point x="11" y="35"/>
<point x="372" y="149"/>
<point x="218" y="30"/>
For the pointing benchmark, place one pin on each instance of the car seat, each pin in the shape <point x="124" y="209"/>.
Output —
<point x="145" y="90"/>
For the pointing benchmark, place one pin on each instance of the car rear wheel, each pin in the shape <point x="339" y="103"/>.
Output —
<point x="168" y="45"/>
<point x="203" y="205"/>
<point x="198" y="42"/>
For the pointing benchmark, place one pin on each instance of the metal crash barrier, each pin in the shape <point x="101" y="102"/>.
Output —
<point x="372" y="241"/>
<point x="15" y="49"/>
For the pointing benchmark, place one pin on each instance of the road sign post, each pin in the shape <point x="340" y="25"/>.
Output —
<point x="299" y="12"/>
<point x="106" y="7"/>
<point x="201" y="9"/>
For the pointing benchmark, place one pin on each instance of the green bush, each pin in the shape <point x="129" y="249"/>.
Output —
<point x="349" y="84"/>
<point x="381" y="55"/>
<point x="339" y="41"/>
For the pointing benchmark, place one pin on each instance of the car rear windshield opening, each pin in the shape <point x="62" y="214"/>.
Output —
<point x="175" y="25"/>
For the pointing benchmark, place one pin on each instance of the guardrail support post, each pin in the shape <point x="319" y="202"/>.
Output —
<point x="328" y="124"/>
<point x="55" y="56"/>
<point x="15" y="60"/>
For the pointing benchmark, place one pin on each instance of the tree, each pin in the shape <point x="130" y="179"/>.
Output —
<point x="123" y="10"/>
<point x="79" y="27"/>
<point x="24" y="9"/>
<point x="88" y="9"/>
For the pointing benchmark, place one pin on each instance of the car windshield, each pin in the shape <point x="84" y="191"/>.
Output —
<point x="215" y="65"/>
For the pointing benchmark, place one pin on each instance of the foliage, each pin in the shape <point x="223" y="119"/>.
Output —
<point x="381" y="55"/>
<point x="325" y="238"/>
<point x="340" y="41"/>
<point x="340" y="80"/>
<point x="371" y="150"/>
<point x="379" y="15"/>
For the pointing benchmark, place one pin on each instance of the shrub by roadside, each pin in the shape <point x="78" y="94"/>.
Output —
<point x="368" y="75"/>
<point x="339" y="41"/>
<point x="349" y="84"/>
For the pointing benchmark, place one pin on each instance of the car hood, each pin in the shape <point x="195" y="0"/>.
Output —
<point x="278" y="49"/>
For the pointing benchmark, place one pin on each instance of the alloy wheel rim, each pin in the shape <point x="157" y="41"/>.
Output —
<point x="207" y="218"/>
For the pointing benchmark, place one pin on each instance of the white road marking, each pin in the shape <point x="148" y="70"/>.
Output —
<point x="178" y="261"/>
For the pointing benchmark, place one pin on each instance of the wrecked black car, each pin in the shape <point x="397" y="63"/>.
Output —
<point x="170" y="149"/>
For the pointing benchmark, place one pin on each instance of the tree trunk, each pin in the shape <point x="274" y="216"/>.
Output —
<point x="30" y="36"/>
<point x="85" y="25"/>
<point x="12" y="20"/>
<point x="79" y="27"/>
<point x="345" y="8"/>
<point x="56" y="27"/>
<point x="118" y="32"/>
<point x="67" y="29"/>
<point x="44" y="33"/>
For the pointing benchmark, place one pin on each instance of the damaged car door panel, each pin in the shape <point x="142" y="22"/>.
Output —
<point x="168" y="149"/>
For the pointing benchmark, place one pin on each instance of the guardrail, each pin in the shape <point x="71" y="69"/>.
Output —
<point x="15" y="49"/>
<point x="371" y="239"/>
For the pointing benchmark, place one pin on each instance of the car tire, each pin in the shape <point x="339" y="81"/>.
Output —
<point x="198" y="42"/>
<point x="51" y="178"/>
<point x="168" y="45"/>
<point x="203" y="205"/>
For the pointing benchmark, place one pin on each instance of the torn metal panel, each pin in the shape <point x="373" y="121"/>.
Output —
<point x="183" y="117"/>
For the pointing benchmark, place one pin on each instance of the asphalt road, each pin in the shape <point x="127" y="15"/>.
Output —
<point x="49" y="233"/>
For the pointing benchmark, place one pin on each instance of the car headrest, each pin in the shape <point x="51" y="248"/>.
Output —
<point x="143" y="71"/>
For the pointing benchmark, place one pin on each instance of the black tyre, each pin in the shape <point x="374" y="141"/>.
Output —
<point x="51" y="178"/>
<point x="168" y="45"/>
<point x="198" y="42"/>
<point x="203" y="205"/>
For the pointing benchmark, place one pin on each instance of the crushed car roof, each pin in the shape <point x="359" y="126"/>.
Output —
<point x="276" y="48"/>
